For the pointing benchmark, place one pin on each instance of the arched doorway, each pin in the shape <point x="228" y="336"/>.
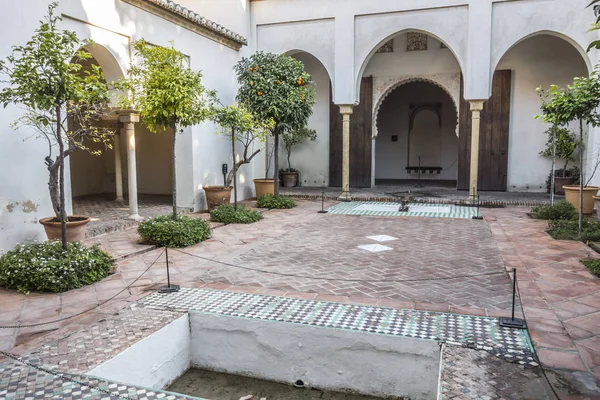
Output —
<point x="103" y="178"/>
<point x="416" y="135"/>
<point x="399" y="64"/>
<point x="540" y="60"/>
<point x="312" y="159"/>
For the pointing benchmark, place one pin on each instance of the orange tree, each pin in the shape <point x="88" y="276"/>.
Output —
<point x="275" y="87"/>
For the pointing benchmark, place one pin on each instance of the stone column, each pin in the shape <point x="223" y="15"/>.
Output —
<point x="118" y="167"/>
<point x="346" y="111"/>
<point x="476" y="107"/>
<point x="129" y="119"/>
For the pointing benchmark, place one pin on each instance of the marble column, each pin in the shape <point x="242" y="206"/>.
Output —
<point x="476" y="107"/>
<point x="346" y="111"/>
<point x="129" y="119"/>
<point x="118" y="165"/>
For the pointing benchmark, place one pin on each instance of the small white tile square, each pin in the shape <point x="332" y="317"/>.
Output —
<point x="374" y="248"/>
<point x="382" y="238"/>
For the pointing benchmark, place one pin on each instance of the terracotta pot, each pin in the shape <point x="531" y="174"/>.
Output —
<point x="264" y="186"/>
<point x="597" y="201"/>
<point x="560" y="181"/>
<point x="290" y="179"/>
<point x="217" y="195"/>
<point x="572" y="196"/>
<point x="75" y="228"/>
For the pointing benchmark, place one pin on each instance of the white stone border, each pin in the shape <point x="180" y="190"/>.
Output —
<point x="383" y="86"/>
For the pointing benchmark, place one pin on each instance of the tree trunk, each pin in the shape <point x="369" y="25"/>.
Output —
<point x="53" y="188"/>
<point x="276" y="160"/>
<point x="61" y="179"/>
<point x="581" y="176"/>
<point x="174" y="169"/>
<point x="289" y="155"/>
<point x="234" y="167"/>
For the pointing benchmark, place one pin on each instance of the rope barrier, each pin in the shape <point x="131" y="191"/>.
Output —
<point x="62" y="376"/>
<point x="338" y="279"/>
<point x="88" y="310"/>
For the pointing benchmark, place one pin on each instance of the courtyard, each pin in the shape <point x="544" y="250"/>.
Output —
<point x="424" y="264"/>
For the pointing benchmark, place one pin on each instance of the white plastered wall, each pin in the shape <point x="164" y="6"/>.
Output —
<point x="312" y="158"/>
<point x="540" y="61"/>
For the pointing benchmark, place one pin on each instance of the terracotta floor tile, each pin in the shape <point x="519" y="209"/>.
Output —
<point x="561" y="359"/>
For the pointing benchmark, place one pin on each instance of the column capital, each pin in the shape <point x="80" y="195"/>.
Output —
<point x="129" y="116"/>
<point x="346" y="108"/>
<point x="476" y="105"/>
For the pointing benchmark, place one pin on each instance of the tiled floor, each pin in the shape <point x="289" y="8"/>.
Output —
<point x="376" y="209"/>
<point x="561" y="298"/>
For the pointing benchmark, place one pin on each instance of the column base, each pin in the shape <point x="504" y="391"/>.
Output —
<point x="135" y="217"/>
<point x="120" y="198"/>
<point x="345" y="196"/>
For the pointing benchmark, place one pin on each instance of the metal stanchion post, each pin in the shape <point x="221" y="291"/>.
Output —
<point x="478" y="215"/>
<point x="512" y="322"/>
<point x="322" y="204"/>
<point x="169" y="288"/>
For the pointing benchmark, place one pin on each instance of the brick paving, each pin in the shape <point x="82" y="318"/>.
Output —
<point x="561" y="298"/>
<point x="109" y="215"/>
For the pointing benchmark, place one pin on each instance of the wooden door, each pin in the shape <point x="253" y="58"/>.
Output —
<point x="361" y="125"/>
<point x="493" y="137"/>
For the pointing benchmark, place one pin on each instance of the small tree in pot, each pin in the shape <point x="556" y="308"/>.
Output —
<point x="62" y="103"/>
<point x="577" y="102"/>
<point x="239" y="125"/>
<point x="561" y="144"/>
<point x="167" y="93"/>
<point x="276" y="88"/>
<point x="292" y="138"/>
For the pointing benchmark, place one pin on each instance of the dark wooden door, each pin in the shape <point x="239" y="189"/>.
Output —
<point x="361" y="126"/>
<point x="493" y="137"/>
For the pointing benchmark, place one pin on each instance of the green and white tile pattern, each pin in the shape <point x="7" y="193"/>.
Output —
<point x="378" y="209"/>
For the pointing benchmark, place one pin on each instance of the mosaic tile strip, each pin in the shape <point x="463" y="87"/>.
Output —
<point x="358" y="208"/>
<point x="478" y="332"/>
<point x="22" y="382"/>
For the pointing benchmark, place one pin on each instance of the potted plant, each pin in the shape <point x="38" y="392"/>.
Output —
<point x="62" y="102"/>
<point x="292" y="138"/>
<point x="576" y="102"/>
<point x="167" y="93"/>
<point x="266" y="185"/>
<point x="240" y="126"/>
<point x="275" y="87"/>
<point x="561" y="144"/>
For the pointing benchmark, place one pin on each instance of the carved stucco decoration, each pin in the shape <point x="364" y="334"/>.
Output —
<point x="383" y="86"/>
<point x="387" y="47"/>
<point x="416" y="41"/>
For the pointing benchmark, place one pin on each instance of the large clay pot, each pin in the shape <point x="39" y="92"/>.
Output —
<point x="597" y="201"/>
<point x="264" y="186"/>
<point x="217" y="195"/>
<point x="290" y="179"/>
<point x="560" y="181"/>
<point x="572" y="196"/>
<point x="75" y="227"/>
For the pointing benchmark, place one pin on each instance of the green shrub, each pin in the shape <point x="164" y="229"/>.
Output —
<point x="563" y="210"/>
<point x="567" y="230"/>
<point x="227" y="214"/>
<point x="593" y="264"/>
<point x="164" y="231"/>
<point x="45" y="267"/>
<point x="271" y="202"/>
